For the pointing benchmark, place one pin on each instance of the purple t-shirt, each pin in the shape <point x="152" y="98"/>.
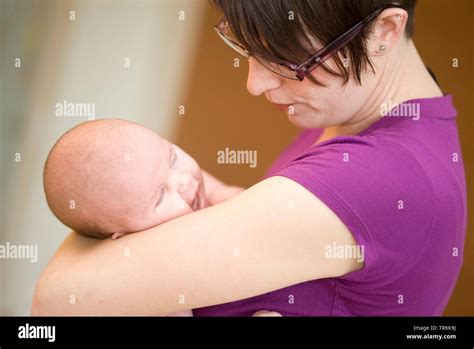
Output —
<point x="399" y="187"/>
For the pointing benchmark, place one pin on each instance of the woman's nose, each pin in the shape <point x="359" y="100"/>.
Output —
<point x="260" y="79"/>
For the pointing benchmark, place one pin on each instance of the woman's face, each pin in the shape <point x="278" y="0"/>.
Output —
<point x="313" y="106"/>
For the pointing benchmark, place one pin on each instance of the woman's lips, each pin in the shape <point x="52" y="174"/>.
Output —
<point x="282" y="107"/>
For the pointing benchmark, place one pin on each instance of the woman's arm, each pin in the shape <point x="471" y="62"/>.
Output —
<point x="271" y="236"/>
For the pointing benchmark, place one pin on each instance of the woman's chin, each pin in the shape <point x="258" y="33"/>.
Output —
<point x="302" y="120"/>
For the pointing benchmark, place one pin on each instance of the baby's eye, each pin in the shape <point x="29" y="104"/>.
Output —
<point x="173" y="158"/>
<point x="162" y="195"/>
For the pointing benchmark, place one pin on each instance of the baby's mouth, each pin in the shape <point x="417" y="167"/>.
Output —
<point x="196" y="204"/>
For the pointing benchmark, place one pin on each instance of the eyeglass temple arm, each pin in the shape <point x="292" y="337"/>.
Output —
<point x="340" y="42"/>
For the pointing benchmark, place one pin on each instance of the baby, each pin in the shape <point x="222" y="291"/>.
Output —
<point x="107" y="178"/>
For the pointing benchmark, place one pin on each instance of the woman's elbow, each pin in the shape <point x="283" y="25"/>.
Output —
<point x="36" y="309"/>
<point x="45" y="298"/>
<point x="39" y="301"/>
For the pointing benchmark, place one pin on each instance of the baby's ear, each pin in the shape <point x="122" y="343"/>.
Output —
<point x="115" y="236"/>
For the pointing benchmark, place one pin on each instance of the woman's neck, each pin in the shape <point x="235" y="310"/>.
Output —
<point x="400" y="80"/>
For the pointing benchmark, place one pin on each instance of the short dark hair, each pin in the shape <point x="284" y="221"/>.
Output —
<point x="264" y="29"/>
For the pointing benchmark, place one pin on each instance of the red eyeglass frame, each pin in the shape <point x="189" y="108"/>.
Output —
<point x="303" y="69"/>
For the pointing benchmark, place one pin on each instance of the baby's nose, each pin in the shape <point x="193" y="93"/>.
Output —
<point x="183" y="182"/>
<point x="187" y="187"/>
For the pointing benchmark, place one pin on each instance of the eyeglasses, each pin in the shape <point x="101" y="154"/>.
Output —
<point x="300" y="71"/>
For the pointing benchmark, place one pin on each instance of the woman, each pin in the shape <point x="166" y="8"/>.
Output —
<point x="363" y="214"/>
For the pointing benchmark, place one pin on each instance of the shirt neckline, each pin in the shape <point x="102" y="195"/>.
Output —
<point x="440" y="107"/>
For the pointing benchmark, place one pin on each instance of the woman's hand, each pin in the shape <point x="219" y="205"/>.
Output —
<point x="266" y="313"/>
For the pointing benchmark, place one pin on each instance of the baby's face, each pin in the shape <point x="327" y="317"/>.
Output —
<point x="178" y="187"/>
<point x="170" y="185"/>
<point x="142" y="181"/>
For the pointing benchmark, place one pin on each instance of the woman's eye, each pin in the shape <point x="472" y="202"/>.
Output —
<point x="162" y="195"/>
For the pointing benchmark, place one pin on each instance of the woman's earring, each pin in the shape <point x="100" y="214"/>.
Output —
<point x="382" y="48"/>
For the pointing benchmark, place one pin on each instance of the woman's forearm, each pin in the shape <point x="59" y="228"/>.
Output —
<point x="76" y="248"/>
<point x="234" y="250"/>
<point x="225" y="193"/>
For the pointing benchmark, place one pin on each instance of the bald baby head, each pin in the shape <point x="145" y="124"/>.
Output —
<point x="89" y="170"/>
<point x="105" y="177"/>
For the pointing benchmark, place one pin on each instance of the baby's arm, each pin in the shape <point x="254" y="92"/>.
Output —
<point x="217" y="191"/>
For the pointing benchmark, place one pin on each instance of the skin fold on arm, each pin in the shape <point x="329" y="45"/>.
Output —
<point x="251" y="244"/>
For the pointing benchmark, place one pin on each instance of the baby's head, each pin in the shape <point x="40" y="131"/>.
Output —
<point x="107" y="178"/>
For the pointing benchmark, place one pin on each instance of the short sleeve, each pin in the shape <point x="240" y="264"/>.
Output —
<point x="379" y="191"/>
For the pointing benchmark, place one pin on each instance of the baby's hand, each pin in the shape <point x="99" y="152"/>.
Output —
<point x="230" y="191"/>
<point x="224" y="193"/>
<point x="217" y="191"/>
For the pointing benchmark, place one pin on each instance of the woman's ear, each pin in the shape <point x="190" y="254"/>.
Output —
<point x="387" y="31"/>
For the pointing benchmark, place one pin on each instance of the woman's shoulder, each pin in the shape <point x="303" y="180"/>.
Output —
<point x="371" y="164"/>
<point x="377" y="187"/>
